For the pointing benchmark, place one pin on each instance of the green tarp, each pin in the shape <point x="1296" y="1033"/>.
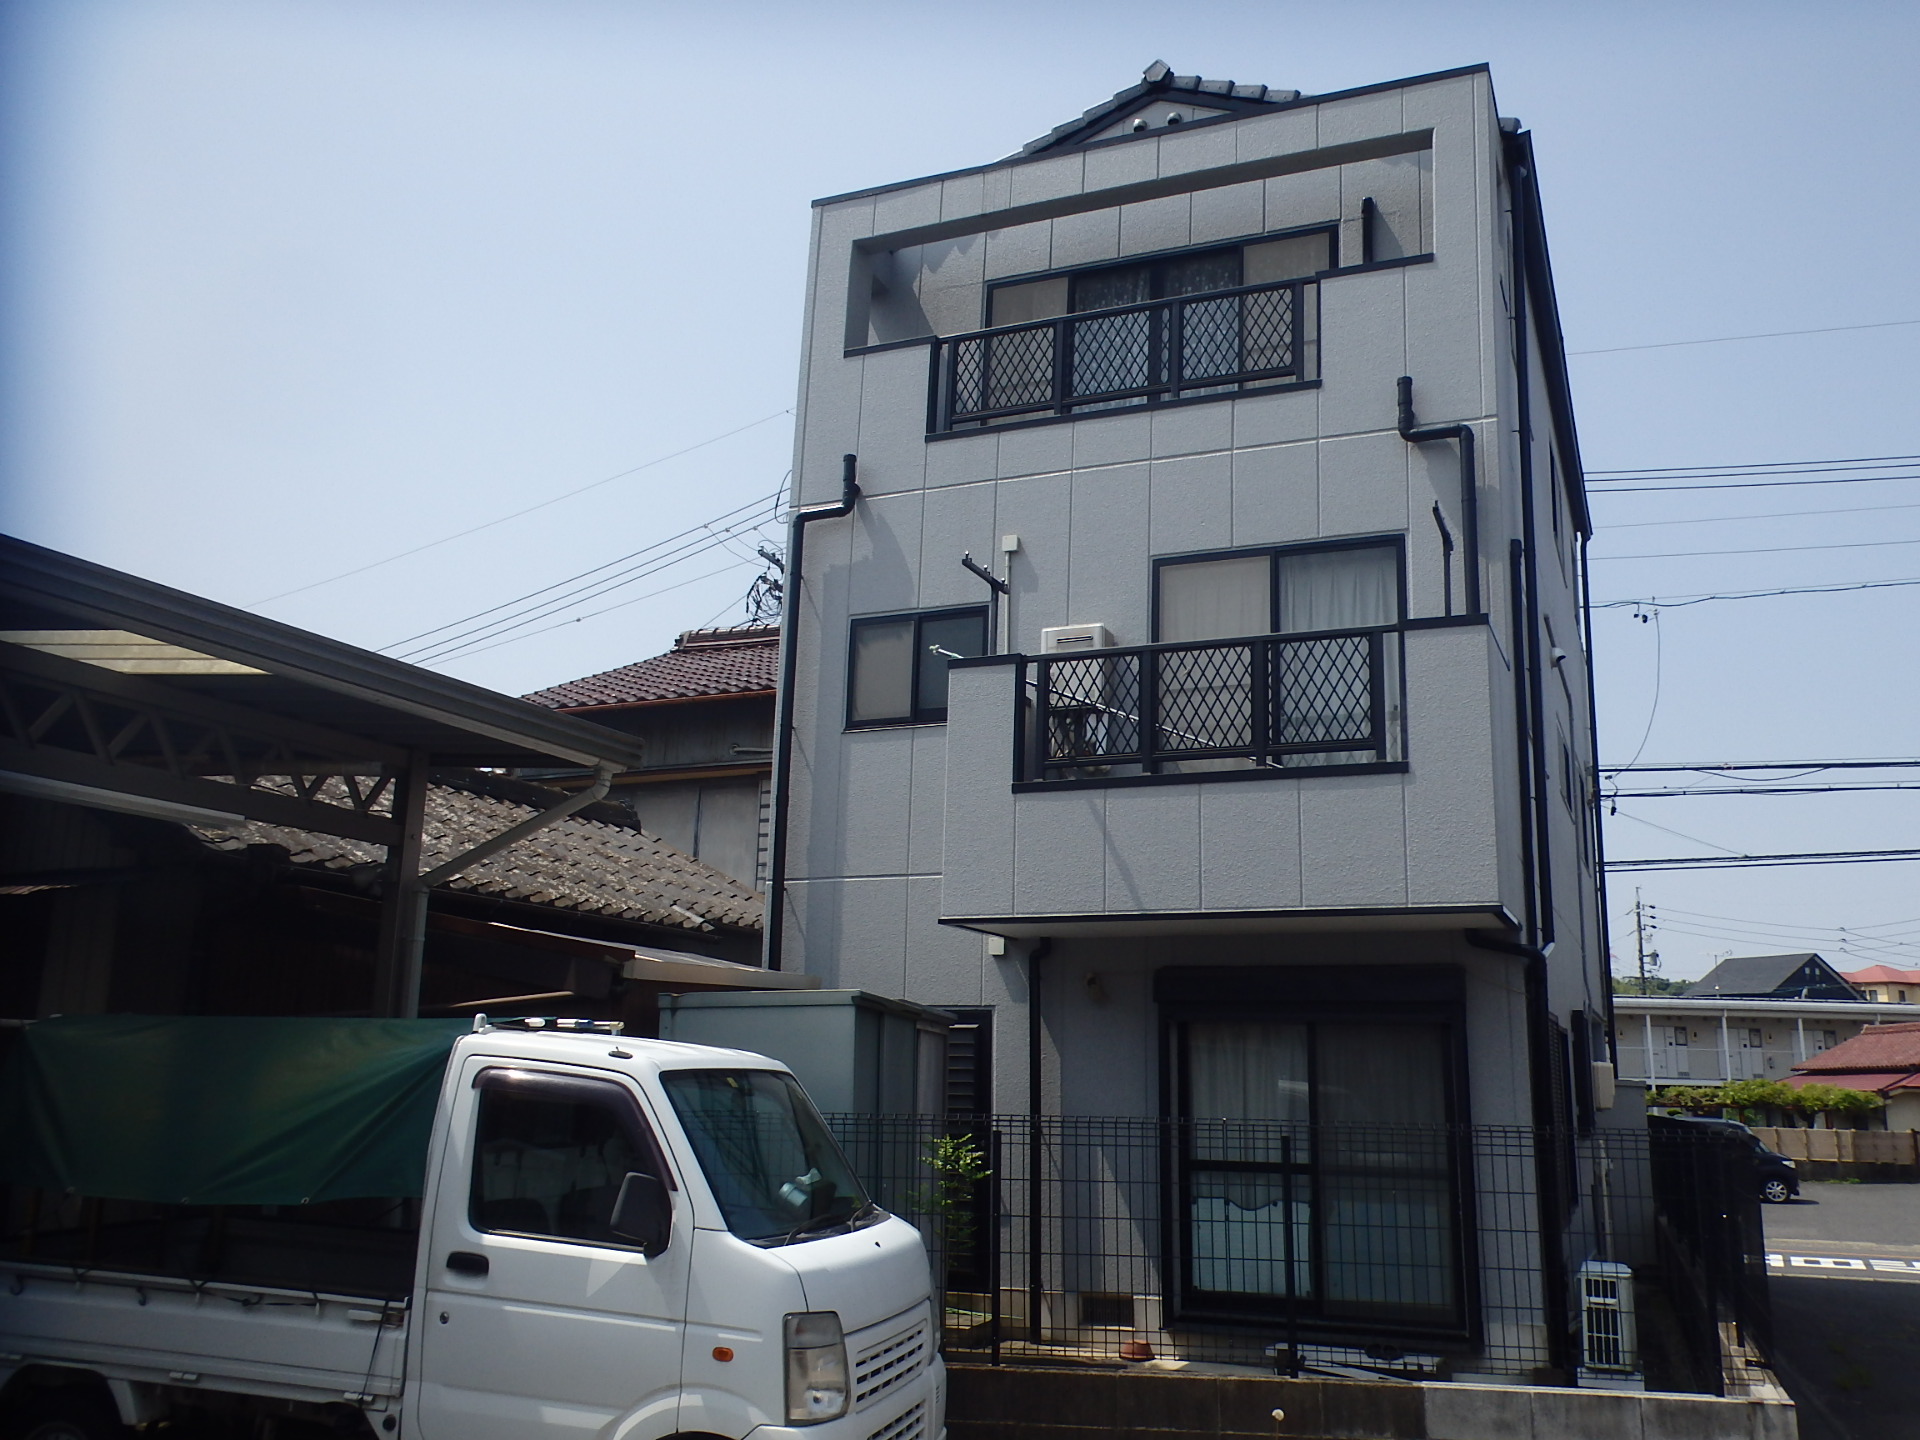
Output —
<point x="207" y="1110"/>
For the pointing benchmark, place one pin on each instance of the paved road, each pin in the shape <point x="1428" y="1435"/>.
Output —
<point x="1845" y="1263"/>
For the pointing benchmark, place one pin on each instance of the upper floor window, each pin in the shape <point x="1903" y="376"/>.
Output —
<point x="897" y="665"/>
<point x="1280" y="591"/>
<point x="1176" y="327"/>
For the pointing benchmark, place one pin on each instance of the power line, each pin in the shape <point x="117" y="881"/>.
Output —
<point x="1679" y="601"/>
<point x="1707" y="767"/>
<point x="1742" y="862"/>
<point x="1727" y="339"/>
<point x="1771" y="515"/>
<point x="1684" y="791"/>
<point x="1791" y="467"/>
<point x="464" y="642"/>
<point x="571" y="579"/>
<point x="539" y="505"/>
<point x="1761" y="550"/>
<point x="1751" y="484"/>
<point x="576" y="619"/>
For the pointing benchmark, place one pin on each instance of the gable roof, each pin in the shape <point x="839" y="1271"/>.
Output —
<point x="1883" y="975"/>
<point x="1888" y="1055"/>
<point x="591" y="866"/>
<point x="736" y="660"/>
<point x="1757" y="975"/>
<point x="1159" y="83"/>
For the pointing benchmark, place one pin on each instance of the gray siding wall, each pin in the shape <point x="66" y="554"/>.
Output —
<point x="891" y="830"/>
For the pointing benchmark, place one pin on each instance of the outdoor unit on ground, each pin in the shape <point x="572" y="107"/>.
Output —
<point x="1609" y="1344"/>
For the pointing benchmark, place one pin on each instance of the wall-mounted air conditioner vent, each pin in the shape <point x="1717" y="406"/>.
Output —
<point x="1071" y="639"/>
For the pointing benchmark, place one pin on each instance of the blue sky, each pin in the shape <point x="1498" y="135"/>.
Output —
<point x="298" y="285"/>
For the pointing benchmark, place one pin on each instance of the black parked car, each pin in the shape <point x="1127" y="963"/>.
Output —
<point x="1774" y="1174"/>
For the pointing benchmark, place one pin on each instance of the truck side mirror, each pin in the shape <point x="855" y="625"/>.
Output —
<point x="643" y="1213"/>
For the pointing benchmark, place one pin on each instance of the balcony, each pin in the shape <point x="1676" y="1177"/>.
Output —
<point x="1329" y="698"/>
<point x="1164" y="350"/>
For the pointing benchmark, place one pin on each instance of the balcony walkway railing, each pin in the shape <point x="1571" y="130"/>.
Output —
<point x="1127" y="355"/>
<point x="1283" y="701"/>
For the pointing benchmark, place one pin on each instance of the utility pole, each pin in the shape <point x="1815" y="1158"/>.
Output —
<point x="1649" y="960"/>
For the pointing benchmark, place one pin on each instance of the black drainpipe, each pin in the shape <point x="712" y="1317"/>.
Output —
<point x="1036" y="1111"/>
<point x="1469" y="486"/>
<point x="783" y="710"/>
<point x="1534" y="789"/>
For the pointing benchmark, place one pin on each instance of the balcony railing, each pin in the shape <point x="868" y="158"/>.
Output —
<point x="1128" y="355"/>
<point x="1324" y="698"/>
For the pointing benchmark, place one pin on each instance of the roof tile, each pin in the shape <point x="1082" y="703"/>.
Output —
<point x="586" y="865"/>
<point x="743" y="660"/>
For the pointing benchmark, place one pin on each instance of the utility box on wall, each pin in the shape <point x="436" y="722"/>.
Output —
<point x="856" y="1052"/>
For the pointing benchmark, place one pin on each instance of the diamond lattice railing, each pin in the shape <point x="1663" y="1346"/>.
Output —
<point x="1323" y="691"/>
<point x="1205" y="699"/>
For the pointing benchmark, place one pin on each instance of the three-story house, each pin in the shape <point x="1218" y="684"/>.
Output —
<point x="1188" y="679"/>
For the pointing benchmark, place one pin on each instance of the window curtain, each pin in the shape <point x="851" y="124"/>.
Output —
<point x="1322" y="688"/>
<point x="1249" y="1100"/>
<point x="1339" y="589"/>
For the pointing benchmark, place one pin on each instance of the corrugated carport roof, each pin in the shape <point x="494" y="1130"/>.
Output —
<point x="304" y="678"/>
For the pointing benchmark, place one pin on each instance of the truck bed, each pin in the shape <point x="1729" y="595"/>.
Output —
<point x="251" y="1303"/>
<point x="246" y="1248"/>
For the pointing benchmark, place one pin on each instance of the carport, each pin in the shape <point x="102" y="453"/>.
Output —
<point x="123" y="695"/>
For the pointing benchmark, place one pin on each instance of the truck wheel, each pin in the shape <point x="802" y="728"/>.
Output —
<point x="70" y="1413"/>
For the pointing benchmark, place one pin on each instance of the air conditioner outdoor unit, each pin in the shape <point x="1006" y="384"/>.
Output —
<point x="1080" y="697"/>
<point x="1609" y="1340"/>
<point x="1072" y="639"/>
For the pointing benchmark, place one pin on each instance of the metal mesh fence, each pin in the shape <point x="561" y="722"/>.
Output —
<point x="1500" y="1252"/>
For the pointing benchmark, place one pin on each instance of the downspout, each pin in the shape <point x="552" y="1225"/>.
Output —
<point x="1411" y="432"/>
<point x="783" y="715"/>
<point x="1036" y="1113"/>
<point x="1539" y="1000"/>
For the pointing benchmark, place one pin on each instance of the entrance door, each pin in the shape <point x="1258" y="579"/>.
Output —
<point x="537" y="1317"/>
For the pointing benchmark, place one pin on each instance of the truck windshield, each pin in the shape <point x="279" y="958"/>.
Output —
<point x="776" y="1172"/>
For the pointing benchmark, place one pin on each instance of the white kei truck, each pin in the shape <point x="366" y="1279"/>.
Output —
<point x="435" y="1230"/>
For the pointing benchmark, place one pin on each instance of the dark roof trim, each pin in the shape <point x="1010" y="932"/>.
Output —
<point x="1304" y="100"/>
<point x="591" y="710"/>
<point x="116" y="600"/>
<point x="1551" y="341"/>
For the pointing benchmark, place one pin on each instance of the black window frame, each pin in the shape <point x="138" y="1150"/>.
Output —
<point x="1397" y="540"/>
<point x="1159" y="260"/>
<point x="917" y="713"/>
<point x="1313" y="996"/>
<point x="603" y="1091"/>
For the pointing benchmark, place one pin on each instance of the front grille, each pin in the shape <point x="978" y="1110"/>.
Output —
<point x="893" y="1361"/>
<point x="909" y="1425"/>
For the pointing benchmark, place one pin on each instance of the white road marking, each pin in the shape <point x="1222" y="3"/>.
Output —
<point x="1860" y="1266"/>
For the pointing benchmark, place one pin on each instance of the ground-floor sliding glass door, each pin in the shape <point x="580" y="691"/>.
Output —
<point x="1318" y="1167"/>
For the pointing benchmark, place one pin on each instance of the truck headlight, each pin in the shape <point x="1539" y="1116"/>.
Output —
<point x="816" y="1367"/>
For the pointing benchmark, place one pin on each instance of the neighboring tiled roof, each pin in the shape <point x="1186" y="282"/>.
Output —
<point x="743" y="660"/>
<point x="1883" y="975"/>
<point x="1158" y="82"/>
<point x="589" y="866"/>
<point x="1876" y="1047"/>
<point x="1756" y="975"/>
